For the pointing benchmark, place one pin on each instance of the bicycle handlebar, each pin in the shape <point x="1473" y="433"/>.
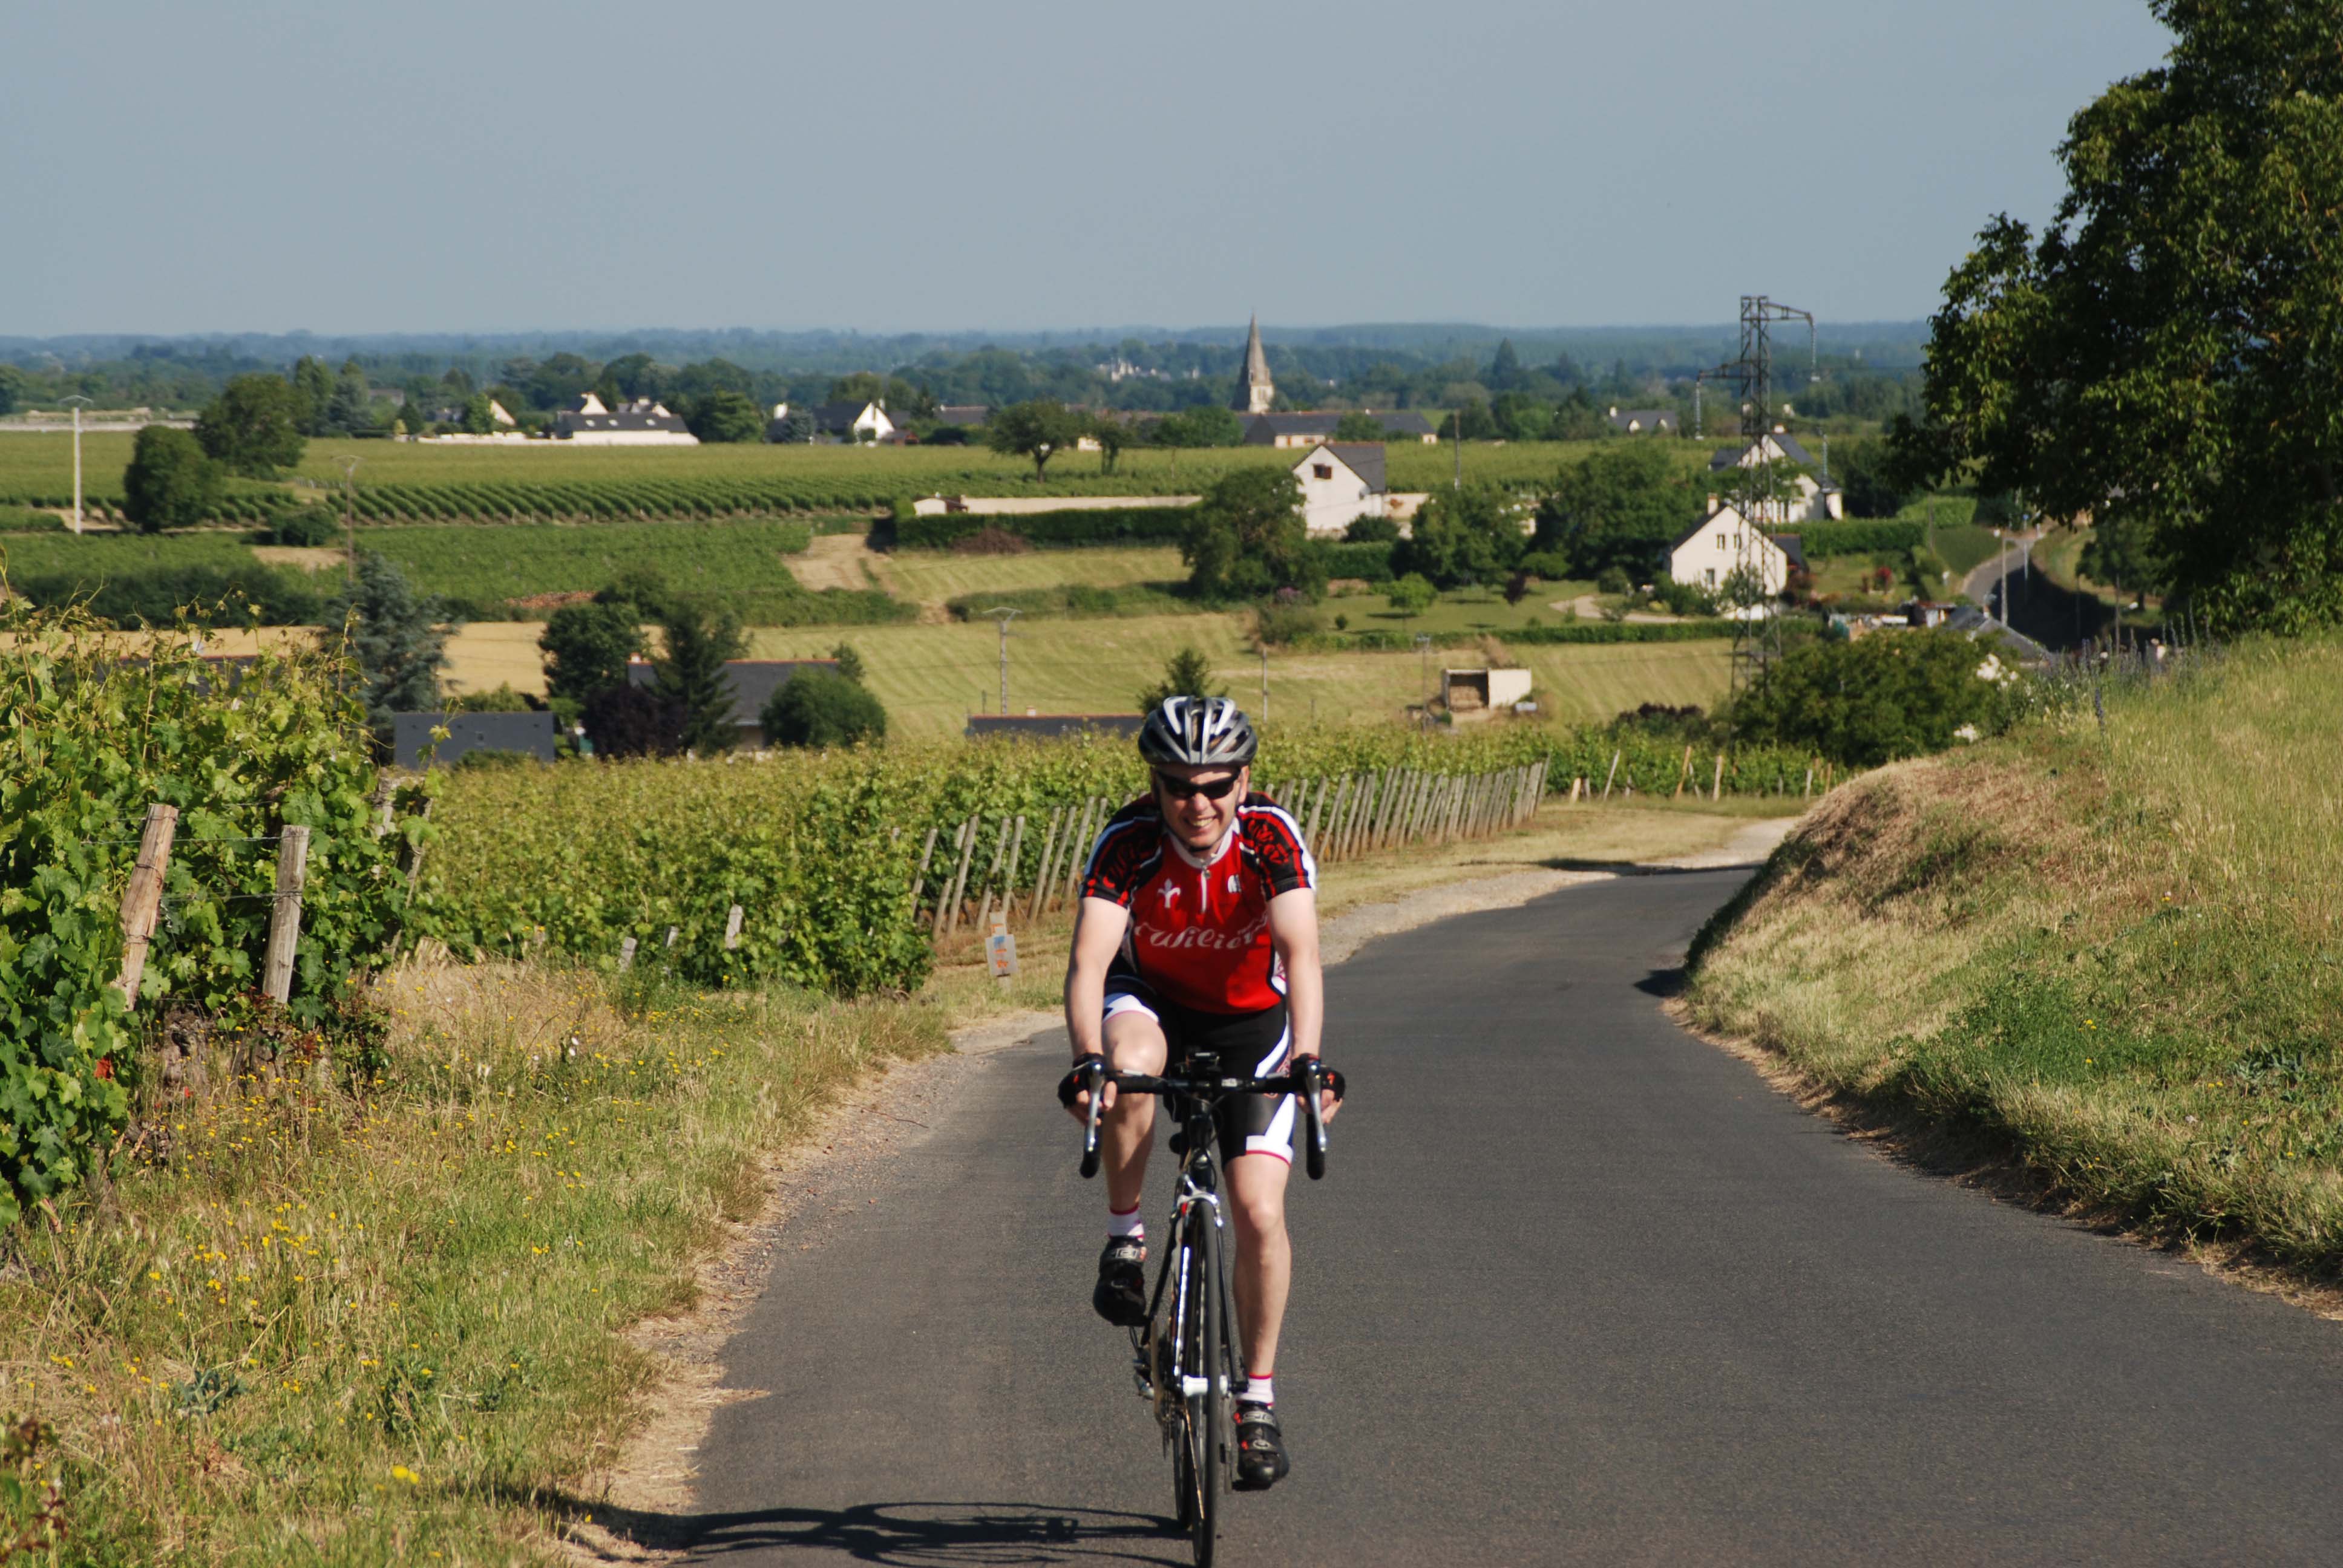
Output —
<point x="1308" y="1076"/>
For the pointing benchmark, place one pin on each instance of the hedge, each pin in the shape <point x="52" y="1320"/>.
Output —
<point x="1859" y="537"/>
<point x="1370" y="560"/>
<point x="1073" y="526"/>
<point x="1378" y="640"/>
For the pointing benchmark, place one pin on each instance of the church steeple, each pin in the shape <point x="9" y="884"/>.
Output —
<point x="1255" y="391"/>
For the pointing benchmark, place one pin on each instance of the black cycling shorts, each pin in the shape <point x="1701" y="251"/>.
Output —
<point x="1254" y="1044"/>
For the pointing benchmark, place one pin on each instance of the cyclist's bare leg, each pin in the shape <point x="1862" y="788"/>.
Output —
<point x="1264" y="1261"/>
<point x="1134" y="1043"/>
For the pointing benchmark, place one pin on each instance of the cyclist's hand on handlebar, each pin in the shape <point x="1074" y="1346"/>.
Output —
<point x="1330" y="1093"/>
<point x="1074" y="1090"/>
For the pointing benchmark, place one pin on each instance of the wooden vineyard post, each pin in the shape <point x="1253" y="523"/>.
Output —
<point x="1806" y="790"/>
<point x="1611" y="775"/>
<point x="992" y="869"/>
<point x="1079" y="860"/>
<point x="626" y="955"/>
<point x="1716" y="779"/>
<point x="285" y="918"/>
<point x="672" y="932"/>
<point x="1683" y="774"/>
<point x="1317" y="805"/>
<point x="1332" y="850"/>
<point x="919" y="878"/>
<point x="1007" y="870"/>
<point x="142" y="901"/>
<point x="732" y="919"/>
<point x="1049" y="863"/>
<point x="954" y="882"/>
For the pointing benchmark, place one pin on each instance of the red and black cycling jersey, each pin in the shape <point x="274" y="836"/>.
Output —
<point x="1200" y="932"/>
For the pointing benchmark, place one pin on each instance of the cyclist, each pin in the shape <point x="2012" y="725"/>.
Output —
<point x="1198" y="930"/>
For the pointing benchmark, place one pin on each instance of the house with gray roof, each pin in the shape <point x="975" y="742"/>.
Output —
<point x="644" y="422"/>
<point x="1806" y="496"/>
<point x="750" y="682"/>
<point x="1341" y="481"/>
<point x="1309" y="429"/>
<point x="1643" y="421"/>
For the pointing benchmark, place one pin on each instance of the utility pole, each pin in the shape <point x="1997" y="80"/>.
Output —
<point x="1003" y="615"/>
<point x="1264" y="683"/>
<point x="78" y="400"/>
<point x="1423" y="671"/>
<point x="1456" y="429"/>
<point x="349" y="520"/>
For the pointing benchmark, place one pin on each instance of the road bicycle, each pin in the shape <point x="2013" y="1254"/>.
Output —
<point x="1184" y="1360"/>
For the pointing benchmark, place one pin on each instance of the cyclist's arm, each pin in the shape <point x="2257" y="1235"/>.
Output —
<point x="1099" y="926"/>
<point x="1294" y="931"/>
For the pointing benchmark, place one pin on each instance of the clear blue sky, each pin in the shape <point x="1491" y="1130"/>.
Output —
<point x="427" y="166"/>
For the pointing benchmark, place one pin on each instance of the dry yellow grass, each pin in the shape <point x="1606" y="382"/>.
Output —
<point x="2116" y="953"/>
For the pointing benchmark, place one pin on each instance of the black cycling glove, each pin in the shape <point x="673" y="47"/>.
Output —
<point x="1076" y="1081"/>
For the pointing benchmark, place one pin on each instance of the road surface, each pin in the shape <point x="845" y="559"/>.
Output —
<point x="1578" y="1289"/>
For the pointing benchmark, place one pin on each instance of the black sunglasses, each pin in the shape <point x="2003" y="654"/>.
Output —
<point x="1183" y="789"/>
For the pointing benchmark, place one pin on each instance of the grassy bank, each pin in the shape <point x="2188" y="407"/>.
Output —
<point x="316" y="1327"/>
<point x="2114" y="953"/>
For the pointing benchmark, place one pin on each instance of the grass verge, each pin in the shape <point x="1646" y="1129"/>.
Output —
<point x="379" y="1327"/>
<point x="2112" y="954"/>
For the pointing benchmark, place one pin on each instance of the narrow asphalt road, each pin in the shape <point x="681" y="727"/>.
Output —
<point x="1578" y="1289"/>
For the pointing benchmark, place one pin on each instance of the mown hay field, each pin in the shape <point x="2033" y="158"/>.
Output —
<point x="932" y="677"/>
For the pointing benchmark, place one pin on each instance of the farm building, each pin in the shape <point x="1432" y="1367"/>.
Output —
<point x="1052" y="726"/>
<point x="644" y="422"/>
<point x="529" y="734"/>
<point x="1341" y="481"/>
<point x="1723" y="540"/>
<point x="1643" y="421"/>
<point x="750" y="681"/>
<point x="1810" y="499"/>
<point x="1474" y="693"/>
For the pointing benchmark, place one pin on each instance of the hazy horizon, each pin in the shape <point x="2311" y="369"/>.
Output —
<point x="446" y="169"/>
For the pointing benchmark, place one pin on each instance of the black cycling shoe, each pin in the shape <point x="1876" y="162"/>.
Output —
<point x="1261" y="1450"/>
<point x="1120" y="1297"/>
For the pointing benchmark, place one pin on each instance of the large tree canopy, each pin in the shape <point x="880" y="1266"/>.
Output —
<point x="2166" y="355"/>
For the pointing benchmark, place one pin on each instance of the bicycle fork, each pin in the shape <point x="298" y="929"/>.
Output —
<point x="1158" y="1360"/>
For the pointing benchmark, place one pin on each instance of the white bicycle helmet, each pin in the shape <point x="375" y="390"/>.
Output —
<point x="1198" y="732"/>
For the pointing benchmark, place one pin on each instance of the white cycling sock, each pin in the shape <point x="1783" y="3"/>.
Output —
<point x="1257" y="1391"/>
<point x="1127" y="1223"/>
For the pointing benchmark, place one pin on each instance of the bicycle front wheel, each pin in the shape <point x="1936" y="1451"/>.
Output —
<point x="1205" y="1446"/>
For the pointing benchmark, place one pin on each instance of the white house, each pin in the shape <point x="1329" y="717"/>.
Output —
<point x="1340" y="481"/>
<point x="850" y="422"/>
<point x="1722" y="541"/>
<point x="1807" y="499"/>
<point x="1643" y="421"/>
<point x="641" y="423"/>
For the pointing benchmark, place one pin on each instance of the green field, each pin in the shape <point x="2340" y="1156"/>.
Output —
<point x="396" y="478"/>
<point x="932" y="577"/>
<point x="932" y="677"/>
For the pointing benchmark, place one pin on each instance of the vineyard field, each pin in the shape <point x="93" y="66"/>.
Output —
<point x="419" y="481"/>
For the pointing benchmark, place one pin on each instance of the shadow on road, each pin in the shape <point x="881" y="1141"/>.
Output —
<point x="1642" y="869"/>
<point x="1663" y="984"/>
<point x="918" y="1533"/>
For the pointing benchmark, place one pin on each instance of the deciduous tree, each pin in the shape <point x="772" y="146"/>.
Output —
<point x="1616" y="506"/>
<point x="1039" y="430"/>
<point x="169" y="484"/>
<point x="254" y="426"/>
<point x="1246" y="539"/>
<point x="2163" y="355"/>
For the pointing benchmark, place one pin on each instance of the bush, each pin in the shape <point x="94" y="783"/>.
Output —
<point x="1371" y="561"/>
<point x="1078" y="601"/>
<point x="1374" y="528"/>
<point x="1878" y="698"/>
<point x="307" y="526"/>
<point x="823" y="708"/>
<point x="1683" y="598"/>
<point x="503" y="699"/>
<point x="1612" y="580"/>
<point x="1279" y="625"/>
<point x="156" y="595"/>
